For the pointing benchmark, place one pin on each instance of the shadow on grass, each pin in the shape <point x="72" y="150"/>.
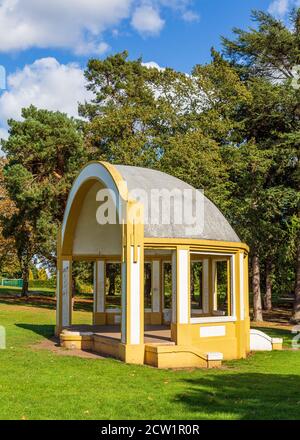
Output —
<point x="30" y="302"/>
<point x="45" y="330"/>
<point x="47" y="303"/>
<point x="243" y="395"/>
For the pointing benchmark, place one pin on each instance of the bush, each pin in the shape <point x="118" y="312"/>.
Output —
<point x="43" y="284"/>
<point x="84" y="288"/>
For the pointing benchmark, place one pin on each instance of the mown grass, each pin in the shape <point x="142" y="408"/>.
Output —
<point x="39" y="384"/>
<point x="15" y="291"/>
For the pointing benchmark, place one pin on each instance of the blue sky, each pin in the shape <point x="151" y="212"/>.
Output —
<point x="180" y="44"/>
<point x="44" y="46"/>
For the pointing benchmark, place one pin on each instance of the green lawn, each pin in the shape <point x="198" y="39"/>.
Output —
<point x="39" y="384"/>
<point x="13" y="291"/>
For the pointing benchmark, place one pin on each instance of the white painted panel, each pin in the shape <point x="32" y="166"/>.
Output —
<point x="214" y="330"/>
<point x="214" y="356"/>
<point x="242" y="290"/>
<point x="135" y="297"/>
<point x="174" y="286"/>
<point x="94" y="286"/>
<point x="123" y="303"/>
<point x="217" y="254"/>
<point x="156" y="286"/>
<point x="117" y="319"/>
<point x="259" y="341"/>
<point x="66" y="293"/>
<point x="213" y="319"/>
<point x="100" y="286"/>
<point x="205" y="297"/>
<point x="183" y="263"/>
<point x="213" y="283"/>
<point x="57" y="297"/>
<point x="167" y="315"/>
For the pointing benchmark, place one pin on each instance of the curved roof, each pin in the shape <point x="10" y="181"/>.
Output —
<point x="215" y="225"/>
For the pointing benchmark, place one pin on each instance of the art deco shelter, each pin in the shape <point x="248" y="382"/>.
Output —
<point x="180" y="300"/>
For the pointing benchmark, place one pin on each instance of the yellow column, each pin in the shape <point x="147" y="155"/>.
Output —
<point x="246" y="298"/>
<point x="243" y="332"/>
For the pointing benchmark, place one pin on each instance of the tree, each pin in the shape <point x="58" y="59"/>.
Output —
<point x="271" y="50"/>
<point x="9" y="265"/>
<point x="44" y="152"/>
<point x="122" y="111"/>
<point x="164" y="119"/>
<point x="265" y="58"/>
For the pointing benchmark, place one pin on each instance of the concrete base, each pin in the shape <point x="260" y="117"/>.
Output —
<point x="260" y="341"/>
<point x="158" y="351"/>
<point x="175" y="356"/>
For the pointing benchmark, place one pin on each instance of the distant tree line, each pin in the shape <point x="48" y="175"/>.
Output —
<point x="230" y="127"/>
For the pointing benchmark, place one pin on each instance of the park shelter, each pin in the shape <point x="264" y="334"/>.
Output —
<point x="173" y="326"/>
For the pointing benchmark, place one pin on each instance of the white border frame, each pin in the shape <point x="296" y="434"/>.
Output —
<point x="232" y="317"/>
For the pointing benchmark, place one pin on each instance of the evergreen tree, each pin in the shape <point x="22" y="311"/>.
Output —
<point x="265" y="58"/>
<point x="44" y="152"/>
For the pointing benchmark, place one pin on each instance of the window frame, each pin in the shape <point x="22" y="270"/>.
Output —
<point x="232" y="317"/>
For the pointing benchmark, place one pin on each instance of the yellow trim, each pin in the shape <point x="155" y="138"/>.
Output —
<point x="229" y="288"/>
<point x="195" y="244"/>
<point x="71" y="220"/>
<point x="118" y="179"/>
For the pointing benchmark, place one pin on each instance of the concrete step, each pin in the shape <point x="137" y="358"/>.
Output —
<point x="177" y="356"/>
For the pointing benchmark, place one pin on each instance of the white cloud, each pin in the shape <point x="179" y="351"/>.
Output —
<point x="3" y="135"/>
<point x="190" y="16"/>
<point x="280" y="8"/>
<point x="79" y="25"/>
<point x="153" y="65"/>
<point x="74" y="24"/>
<point x="86" y="48"/>
<point x="146" y="20"/>
<point x="46" y="84"/>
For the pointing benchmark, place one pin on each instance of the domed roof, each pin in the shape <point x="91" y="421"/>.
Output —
<point x="215" y="226"/>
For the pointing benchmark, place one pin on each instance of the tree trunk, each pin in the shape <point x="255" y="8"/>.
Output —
<point x="268" y="292"/>
<point x="25" y="278"/>
<point x="257" y="304"/>
<point x="296" y="314"/>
